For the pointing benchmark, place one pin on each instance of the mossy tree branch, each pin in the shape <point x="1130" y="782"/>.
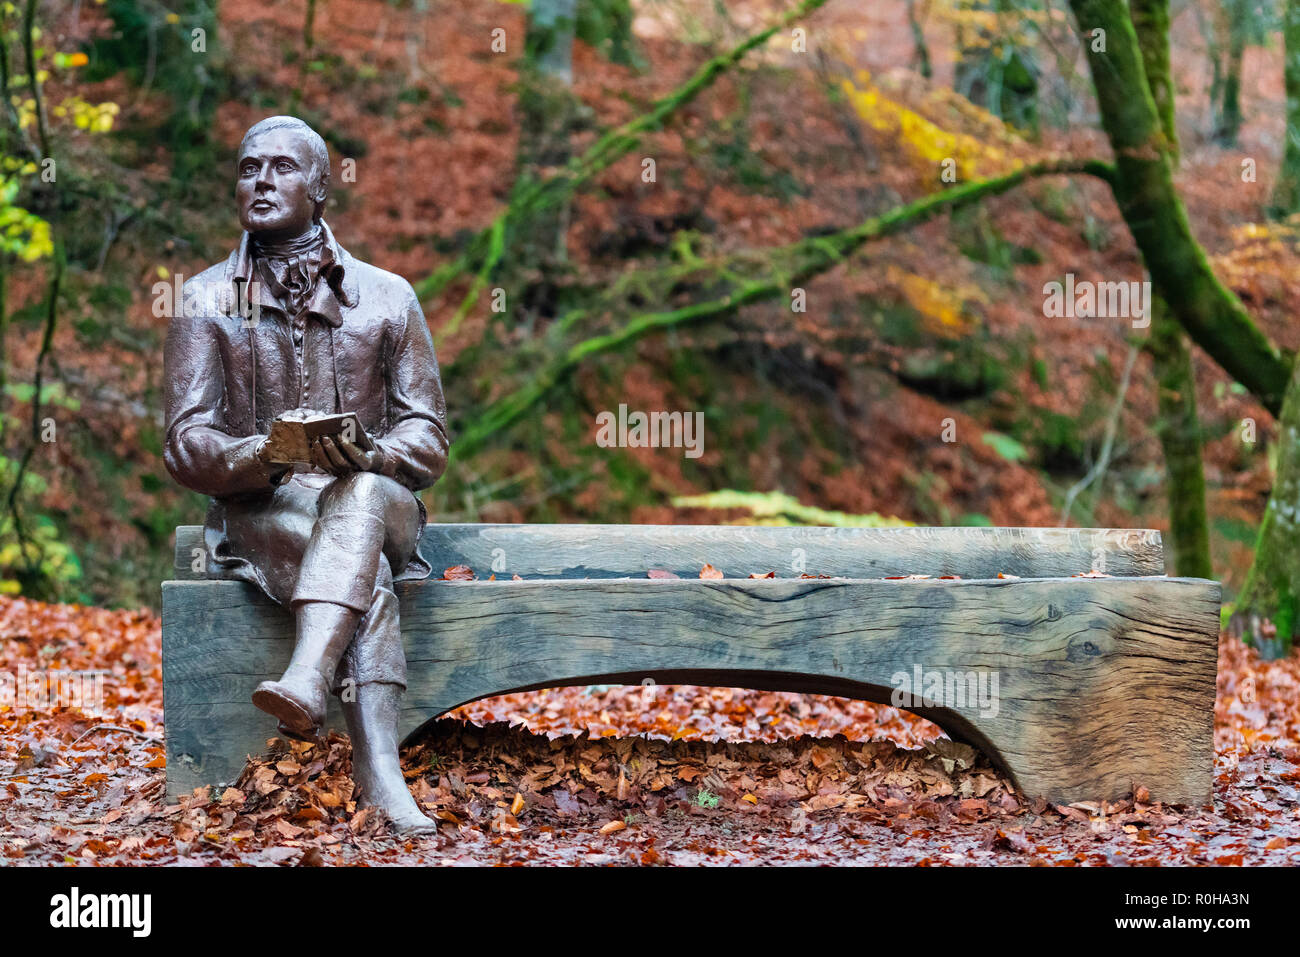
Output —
<point x="531" y="197"/>
<point x="803" y="260"/>
<point x="1144" y="190"/>
<point x="1286" y="191"/>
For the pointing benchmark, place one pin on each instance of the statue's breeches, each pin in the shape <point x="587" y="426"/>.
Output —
<point x="318" y="538"/>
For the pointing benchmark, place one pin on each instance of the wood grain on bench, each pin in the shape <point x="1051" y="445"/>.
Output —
<point x="1103" y="682"/>
<point x="615" y="551"/>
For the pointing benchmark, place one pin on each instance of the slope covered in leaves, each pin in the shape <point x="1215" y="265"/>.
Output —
<point x="653" y="775"/>
<point x="842" y="406"/>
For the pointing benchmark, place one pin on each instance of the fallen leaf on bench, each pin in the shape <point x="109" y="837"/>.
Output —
<point x="459" y="573"/>
<point x="661" y="573"/>
<point x="708" y="571"/>
<point x="757" y="575"/>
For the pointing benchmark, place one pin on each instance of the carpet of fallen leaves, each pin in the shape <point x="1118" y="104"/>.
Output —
<point x="621" y="775"/>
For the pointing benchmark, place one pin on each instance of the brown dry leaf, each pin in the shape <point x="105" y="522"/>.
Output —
<point x="612" y="826"/>
<point x="458" y="573"/>
<point x="312" y="857"/>
<point x="822" y="757"/>
<point x="622" y="789"/>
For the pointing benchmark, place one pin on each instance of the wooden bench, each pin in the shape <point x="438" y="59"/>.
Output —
<point x="1102" y="682"/>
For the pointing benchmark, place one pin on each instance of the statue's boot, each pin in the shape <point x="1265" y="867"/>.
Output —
<point x="376" y="767"/>
<point x="334" y="589"/>
<point x="299" y="698"/>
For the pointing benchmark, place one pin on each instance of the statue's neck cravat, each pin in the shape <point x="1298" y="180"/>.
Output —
<point x="291" y="269"/>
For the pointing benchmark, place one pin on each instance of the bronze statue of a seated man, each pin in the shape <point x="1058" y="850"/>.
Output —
<point x="305" y="327"/>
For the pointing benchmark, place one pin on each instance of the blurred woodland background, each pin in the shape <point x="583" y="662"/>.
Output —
<point x="827" y="226"/>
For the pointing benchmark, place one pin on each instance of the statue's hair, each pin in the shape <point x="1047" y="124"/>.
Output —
<point x="320" y="154"/>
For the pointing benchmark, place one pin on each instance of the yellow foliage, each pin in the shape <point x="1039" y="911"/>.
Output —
<point x="925" y="140"/>
<point x="977" y="27"/>
<point x="91" y="117"/>
<point x="945" y="305"/>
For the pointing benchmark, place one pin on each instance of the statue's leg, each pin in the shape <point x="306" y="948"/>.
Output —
<point x="370" y="683"/>
<point x="334" y="589"/>
<point x="371" y="679"/>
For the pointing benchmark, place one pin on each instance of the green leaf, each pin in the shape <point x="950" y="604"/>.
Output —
<point x="1006" y="446"/>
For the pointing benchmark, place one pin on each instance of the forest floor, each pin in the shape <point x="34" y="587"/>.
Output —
<point x="621" y="775"/>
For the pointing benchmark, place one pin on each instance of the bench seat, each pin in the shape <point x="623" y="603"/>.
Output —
<point x="1102" y="682"/>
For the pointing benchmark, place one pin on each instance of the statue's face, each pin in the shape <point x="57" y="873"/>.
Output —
<point x="275" y="188"/>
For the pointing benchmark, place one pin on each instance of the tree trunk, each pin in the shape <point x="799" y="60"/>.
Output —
<point x="920" y="48"/>
<point x="1144" y="190"/>
<point x="1286" y="191"/>
<point x="1180" y="437"/>
<point x="1177" y="423"/>
<point x="1229" y="116"/>
<point x="1266" y="607"/>
<point x="548" y="43"/>
<point x="547" y="112"/>
<point x="996" y="73"/>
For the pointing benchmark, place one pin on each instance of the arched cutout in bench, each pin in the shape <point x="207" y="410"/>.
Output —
<point x="951" y="722"/>
<point x="1103" y="682"/>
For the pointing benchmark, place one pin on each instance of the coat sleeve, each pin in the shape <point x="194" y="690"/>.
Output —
<point x="414" y="450"/>
<point x="197" y="453"/>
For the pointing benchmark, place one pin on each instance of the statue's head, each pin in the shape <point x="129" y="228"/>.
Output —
<point x="283" y="178"/>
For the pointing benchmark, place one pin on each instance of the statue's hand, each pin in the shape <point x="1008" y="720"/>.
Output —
<point x="278" y="470"/>
<point x="339" y="457"/>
